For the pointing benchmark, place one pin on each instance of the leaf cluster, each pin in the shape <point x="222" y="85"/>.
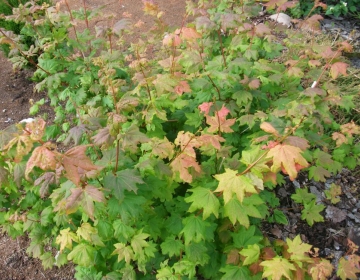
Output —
<point x="169" y="158"/>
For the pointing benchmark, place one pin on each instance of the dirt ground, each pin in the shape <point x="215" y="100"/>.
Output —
<point x="341" y="222"/>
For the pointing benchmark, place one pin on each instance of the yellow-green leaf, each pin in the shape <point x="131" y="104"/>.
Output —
<point x="231" y="183"/>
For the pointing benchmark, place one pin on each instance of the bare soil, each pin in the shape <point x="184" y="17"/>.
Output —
<point x="342" y="221"/>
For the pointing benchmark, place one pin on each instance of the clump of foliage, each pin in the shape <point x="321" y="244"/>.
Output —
<point x="336" y="8"/>
<point x="12" y="25"/>
<point x="175" y="144"/>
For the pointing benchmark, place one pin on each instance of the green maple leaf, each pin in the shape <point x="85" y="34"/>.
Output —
<point x="109" y="158"/>
<point x="194" y="229"/>
<point x="47" y="260"/>
<point x="35" y="249"/>
<point x="235" y="272"/>
<point x="251" y="254"/>
<point x="123" y="180"/>
<point x="299" y="250"/>
<point x="245" y="237"/>
<point x="122" y="231"/>
<point x="131" y="137"/>
<point x="129" y="207"/>
<point x="247" y="120"/>
<point x="323" y="159"/>
<point x="83" y="255"/>
<point x="65" y="239"/>
<point x="240" y="212"/>
<point x="252" y="156"/>
<point x="203" y="198"/>
<point x="303" y="196"/>
<point x="105" y="230"/>
<point x="89" y="233"/>
<point x="318" y="173"/>
<point x="311" y="212"/>
<point x="123" y="252"/>
<point x="172" y="246"/>
<point x="4" y="173"/>
<point x="164" y="82"/>
<point x="197" y="253"/>
<point x="231" y="183"/>
<point x="277" y="268"/>
<point x="242" y="97"/>
<point x="333" y="193"/>
<point x="138" y="242"/>
<point x="61" y="260"/>
<point x="278" y="217"/>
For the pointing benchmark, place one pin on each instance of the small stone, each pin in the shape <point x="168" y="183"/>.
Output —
<point x="296" y="184"/>
<point x="318" y="194"/>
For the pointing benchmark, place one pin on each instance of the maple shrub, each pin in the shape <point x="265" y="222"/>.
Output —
<point x="168" y="149"/>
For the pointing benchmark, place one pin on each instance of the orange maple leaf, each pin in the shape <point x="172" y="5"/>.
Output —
<point x="182" y="163"/>
<point x="339" y="138"/>
<point x="182" y="87"/>
<point x="205" y="107"/>
<point x="219" y="121"/>
<point x="288" y="158"/>
<point x="42" y="157"/>
<point x="75" y="162"/>
<point x="338" y="68"/>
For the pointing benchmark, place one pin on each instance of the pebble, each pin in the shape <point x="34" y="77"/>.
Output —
<point x="296" y="184"/>
<point x="318" y="194"/>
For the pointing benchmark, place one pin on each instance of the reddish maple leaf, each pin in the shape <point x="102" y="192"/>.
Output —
<point x="312" y="23"/>
<point x="339" y="138"/>
<point x="314" y="63"/>
<point x="270" y="145"/>
<point x="219" y="121"/>
<point x="171" y="40"/>
<point x="205" y="107"/>
<point x="272" y="4"/>
<point x="75" y="162"/>
<point x="182" y="87"/>
<point x="182" y="163"/>
<point x="43" y="157"/>
<point x="350" y="128"/>
<point x="267" y="127"/>
<point x="254" y="84"/>
<point x="320" y="4"/>
<point x="296" y="141"/>
<point x="338" y="68"/>
<point x="189" y="33"/>
<point x="85" y="198"/>
<point x="345" y="46"/>
<point x="187" y="142"/>
<point x="328" y="53"/>
<point x="320" y="269"/>
<point x="211" y="140"/>
<point x="44" y="182"/>
<point x="262" y="30"/>
<point x="287" y="5"/>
